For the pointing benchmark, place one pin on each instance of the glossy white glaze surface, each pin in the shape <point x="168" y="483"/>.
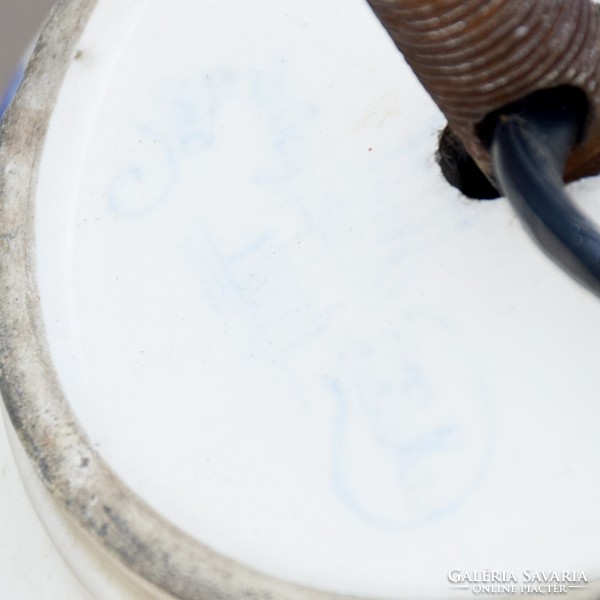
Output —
<point x="284" y="330"/>
<point x="30" y="566"/>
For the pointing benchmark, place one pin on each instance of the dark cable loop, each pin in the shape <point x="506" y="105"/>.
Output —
<point x="530" y="145"/>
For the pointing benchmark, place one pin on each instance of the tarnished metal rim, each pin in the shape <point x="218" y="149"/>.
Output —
<point x="128" y="530"/>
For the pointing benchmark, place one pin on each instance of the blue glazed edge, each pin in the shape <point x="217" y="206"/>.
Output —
<point x="12" y="88"/>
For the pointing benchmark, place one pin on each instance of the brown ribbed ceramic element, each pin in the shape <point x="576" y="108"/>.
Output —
<point x="476" y="56"/>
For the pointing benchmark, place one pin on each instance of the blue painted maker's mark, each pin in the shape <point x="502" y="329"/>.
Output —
<point x="140" y="188"/>
<point x="218" y="272"/>
<point x="192" y="125"/>
<point x="252" y="248"/>
<point x="415" y="469"/>
<point x="284" y="122"/>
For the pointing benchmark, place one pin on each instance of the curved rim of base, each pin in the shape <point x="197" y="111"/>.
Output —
<point x="165" y="560"/>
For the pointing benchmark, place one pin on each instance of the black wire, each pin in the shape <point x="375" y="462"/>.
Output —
<point x="531" y="142"/>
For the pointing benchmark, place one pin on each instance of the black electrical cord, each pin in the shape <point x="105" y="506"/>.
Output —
<point x="530" y="144"/>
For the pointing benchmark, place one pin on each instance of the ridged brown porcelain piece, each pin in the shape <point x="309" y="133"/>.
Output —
<point x="476" y="56"/>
